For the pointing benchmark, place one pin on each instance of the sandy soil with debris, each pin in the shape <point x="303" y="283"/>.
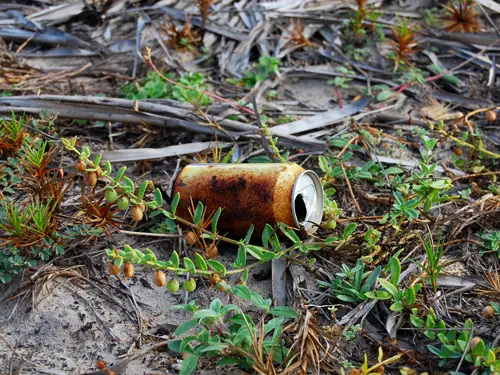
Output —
<point x="74" y="324"/>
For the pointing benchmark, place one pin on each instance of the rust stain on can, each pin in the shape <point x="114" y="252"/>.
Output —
<point x="248" y="194"/>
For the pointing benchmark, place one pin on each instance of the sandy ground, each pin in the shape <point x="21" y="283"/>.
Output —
<point x="74" y="324"/>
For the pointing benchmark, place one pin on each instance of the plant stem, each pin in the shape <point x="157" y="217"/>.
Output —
<point x="339" y="98"/>
<point x="466" y="144"/>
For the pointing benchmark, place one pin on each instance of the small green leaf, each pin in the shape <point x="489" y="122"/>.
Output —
<point x="107" y="168"/>
<point x="175" y="202"/>
<point x="216" y="305"/>
<point x="174" y="258"/>
<point x="384" y="95"/>
<point x="186" y="326"/>
<point x="97" y="159"/>
<point x="214" y="348"/>
<point x="120" y="173"/>
<point x="349" y="230"/>
<point x="434" y="350"/>
<point x="388" y="286"/>
<point x="323" y="163"/>
<point x="189" y="364"/>
<point x="205" y="313"/>
<point x="452" y="79"/>
<point x="175" y="345"/>
<point x="260" y="302"/>
<point x="479" y="348"/>
<point x="255" y="251"/>
<point x="241" y="258"/>
<point x="200" y="262"/>
<point x="189" y="265"/>
<point x="283" y="311"/>
<point x="395" y="267"/>
<point x="241" y="291"/>
<point x="198" y="213"/>
<point x="128" y="185"/>
<point x="217" y="267"/>
<point x="142" y="189"/>
<point x="397" y="307"/>
<point x="118" y="262"/>
<point x="266" y="234"/>
<point x="244" y="275"/>
<point x="289" y="233"/>
<point x="227" y="361"/>
<point x="249" y="234"/>
<point x="215" y="219"/>
<point x="417" y="321"/>
<point x="393" y="170"/>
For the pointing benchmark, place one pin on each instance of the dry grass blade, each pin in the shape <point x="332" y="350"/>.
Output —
<point x="492" y="284"/>
<point x="316" y="351"/>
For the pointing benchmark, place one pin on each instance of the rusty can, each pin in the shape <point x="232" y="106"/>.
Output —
<point x="257" y="194"/>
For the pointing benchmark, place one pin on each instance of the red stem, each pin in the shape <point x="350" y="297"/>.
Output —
<point x="339" y="98"/>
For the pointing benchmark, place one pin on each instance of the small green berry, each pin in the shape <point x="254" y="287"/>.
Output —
<point x="331" y="224"/>
<point x="111" y="195"/>
<point x="173" y="285"/>
<point x="122" y="203"/>
<point x="190" y="285"/>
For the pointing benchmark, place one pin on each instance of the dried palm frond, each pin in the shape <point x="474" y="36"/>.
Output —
<point x="461" y="16"/>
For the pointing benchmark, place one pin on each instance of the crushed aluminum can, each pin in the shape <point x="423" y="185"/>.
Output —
<point x="257" y="194"/>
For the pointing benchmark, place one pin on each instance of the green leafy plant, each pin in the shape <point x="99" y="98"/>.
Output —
<point x="262" y="70"/>
<point x="490" y="242"/>
<point x="434" y="266"/>
<point x="402" y="299"/>
<point x="191" y="88"/>
<point x="358" y="22"/>
<point x="341" y="82"/>
<point x="457" y="343"/>
<point x="332" y="168"/>
<point x="12" y="134"/>
<point x="226" y="332"/>
<point x="425" y="189"/>
<point x="353" y="284"/>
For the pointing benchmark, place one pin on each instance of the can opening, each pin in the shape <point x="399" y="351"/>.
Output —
<point x="300" y="208"/>
<point x="307" y="201"/>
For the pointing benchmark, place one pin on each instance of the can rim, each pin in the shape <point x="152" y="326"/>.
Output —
<point x="314" y="213"/>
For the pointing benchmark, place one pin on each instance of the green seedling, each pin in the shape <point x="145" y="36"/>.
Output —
<point x="353" y="284"/>
<point x="264" y="69"/>
<point x="227" y="333"/>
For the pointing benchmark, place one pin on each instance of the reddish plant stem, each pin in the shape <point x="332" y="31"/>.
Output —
<point x="339" y="98"/>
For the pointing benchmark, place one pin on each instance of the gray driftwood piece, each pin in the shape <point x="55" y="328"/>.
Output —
<point x="93" y="108"/>
<point x="322" y="119"/>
